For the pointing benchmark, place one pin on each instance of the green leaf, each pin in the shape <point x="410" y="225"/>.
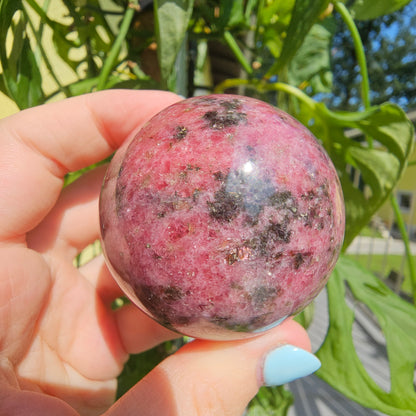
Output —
<point x="312" y="62"/>
<point x="304" y="15"/>
<point x="90" y="33"/>
<point x="250" y="5"/>
<point x="231" y="14"/>
<point x="391" y="127"/>
<point x="378" y="168"/>
<point x="137" y="367"/>
<point x="89" y="84"/>
<point x="381" y="167"/>
<point x="368" y="175"/>
<point x="379" y="173"/>
<point x="3" y="88"/>
<point x="270" y="401"/>
<point x="171" y="19"/>
<point x="224" y="15"/>
<point x="60" y="32"/>
<point x="305" y="317"/>
<point x="21" y="75"/>
<point x="371" y="9"/>
<point x="368" y="167"/>
<point x="341" y="366"/>
<point x="273" y="19"/>
<point x="7" y="10"/>
<point x="141" y="364"/>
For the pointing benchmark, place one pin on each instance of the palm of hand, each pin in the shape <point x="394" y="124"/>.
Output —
<point x="58" y="333"/>
<point x="62" y="318"/>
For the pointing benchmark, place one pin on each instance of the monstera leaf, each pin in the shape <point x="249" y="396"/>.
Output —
<point x="369" y="162"/>
<point x="341" y="366"/>
<point x="89" y="30"/>
<point x="171" y="19"/>
<point x="21" y="78"/>
<point x="311" y="64"/>
<point x="304" y="15"/>
<point x="371" y="9"/>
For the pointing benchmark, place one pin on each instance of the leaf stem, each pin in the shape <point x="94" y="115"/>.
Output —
<point x="231" y="83"/>
<point x="263" y="86"/>
<point x="359" y="50"/>
<point x="115" y="50"/>
<point x="291" y="90"/>
<point x="233" y="45"/>
<point x="342" y="119"/>
<point x="405" y="236"/>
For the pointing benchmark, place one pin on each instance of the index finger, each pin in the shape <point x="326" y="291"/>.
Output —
<point x="40" y="145"/>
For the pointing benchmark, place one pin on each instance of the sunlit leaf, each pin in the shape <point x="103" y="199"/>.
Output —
<point x="341" y="366"/>
<point x="270" y="401"/>
<point x="231" y="14"/>
<point x="21" y="75"/>
<point x="90" y="36"/>
<point x="367" y="174"/>
<point x="273" y="19"/>
<point x="371" y="9"/>
<point x="141" y="364"/>
<point x="172" y="18"/>
<point x="311" y="64"/>
<point x="304" y="14"/>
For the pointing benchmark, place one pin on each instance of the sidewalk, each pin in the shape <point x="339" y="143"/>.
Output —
<point x="373" y="245"/>
<point x="313" y="397"/>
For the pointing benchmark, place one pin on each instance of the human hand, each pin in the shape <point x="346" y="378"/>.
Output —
<point x="61" y="344"/>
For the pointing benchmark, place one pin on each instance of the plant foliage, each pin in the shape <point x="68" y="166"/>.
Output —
<point x="282" y="52"/>
<point x="341" y="365"/>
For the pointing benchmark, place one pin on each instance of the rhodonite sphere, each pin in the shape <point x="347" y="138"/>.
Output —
<point x="221" y="217"/>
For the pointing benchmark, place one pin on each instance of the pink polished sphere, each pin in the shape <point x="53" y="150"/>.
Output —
<point x="222" y="217"/>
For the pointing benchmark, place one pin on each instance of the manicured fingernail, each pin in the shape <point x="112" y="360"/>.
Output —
<point x="288" y="363"/>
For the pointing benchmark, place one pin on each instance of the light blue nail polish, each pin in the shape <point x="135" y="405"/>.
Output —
<point x="288" y="363"/>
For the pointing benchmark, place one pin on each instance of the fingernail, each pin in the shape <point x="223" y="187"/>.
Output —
<point x="288" y="363"/>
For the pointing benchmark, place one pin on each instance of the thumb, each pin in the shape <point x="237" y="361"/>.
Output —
<point x="220" y="378"/>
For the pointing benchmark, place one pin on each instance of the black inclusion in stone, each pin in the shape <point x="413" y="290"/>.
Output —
<point x="225" y="206"/>
<point x="284" y="200"/>
<point x="158" y="300"/>
<point x="219" y="121"/>
<point x="180" y="132"/>
<point x="300" y="259"/>
<point x="262" y="295"/>
<point x="278" y="232"/>
<point x="228" y="114"/>
<point x="241" y="192"/>
<point x="220" y="176"/>
<point x="266" y="243"/>
<point x="230" y="105"/>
